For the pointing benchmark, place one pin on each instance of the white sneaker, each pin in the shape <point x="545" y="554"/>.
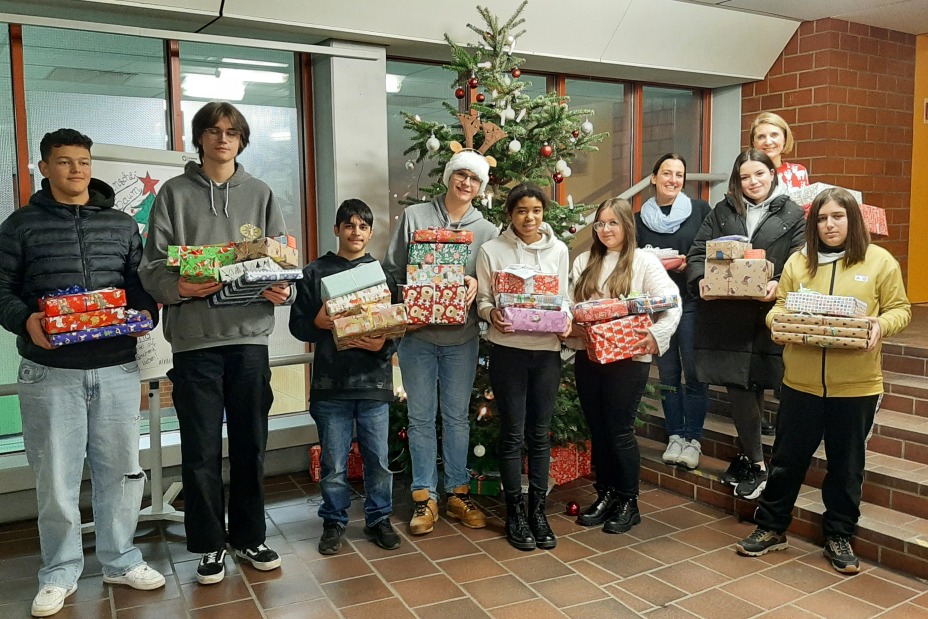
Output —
<point x="674" y="449"/>
<point x="50" y="599"/>
<point x="140" y="577"/>
<point x="689" y="458"/>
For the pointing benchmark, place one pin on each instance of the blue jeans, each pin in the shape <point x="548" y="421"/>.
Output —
<point x="335" y="420"/>
<point x="67" y="414"/>
<point x="425" y="366"/>
<point x="684" y="407"/>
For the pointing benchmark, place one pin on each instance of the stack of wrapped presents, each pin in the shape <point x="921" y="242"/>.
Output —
<point x="735" y="270"/>
<point x="243" y="282"/>
<point x="360" y="299"/>
<point x="435" y="292"/>
<point x="670" y="258"/>
<point x="823" y="320"/>
<point x="529" y="299"/>
<point x="76" y="315"/>
<point x="874" y="216"/>
<point x="611" y="324"/>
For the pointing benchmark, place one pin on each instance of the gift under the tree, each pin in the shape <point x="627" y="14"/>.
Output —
<point x="233" y="271"/>
<point x="520" y="279"/>
<point x="532" y="301"/>
<point x="430" y="304"/>
<point x="353" y="302"/>
<point x="200" y="265"/>
<point x="435" y="274"/>
<point x="617" y="339"/>
<point x="136" y="322"/>
<point x="355" y="466"/>
<point x="810" y="302"/>
<point x="726" y="249"/>
<point x="652" y="304"/>
<point x="828" y="321"/>
<point x="387" y="320"/>
<point x="80" y="321"/>
<point x="76" y="299"/>
<point x="821" y="341"/>
<point x="443" y="235"/>
<point x="438" y="253"/>
<point x="568" y="462"/>
<point x="739" y="278"/>
<point x="345" y="282"/>
<point x="599" y="310"/>
<point x="271" y="247"/>
<point x="487" y="484"/>
<point x="535" y="320"/>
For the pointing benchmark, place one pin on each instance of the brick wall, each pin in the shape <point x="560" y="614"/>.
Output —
<point x="846" y="91"/>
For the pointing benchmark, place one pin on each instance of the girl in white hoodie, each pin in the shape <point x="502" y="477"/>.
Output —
<point x="525" y="368"/>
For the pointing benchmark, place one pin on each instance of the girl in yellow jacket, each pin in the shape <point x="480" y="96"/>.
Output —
<point x="830" y="394"/>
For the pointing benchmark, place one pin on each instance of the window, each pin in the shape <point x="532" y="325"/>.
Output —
<point x="672" y="122"/>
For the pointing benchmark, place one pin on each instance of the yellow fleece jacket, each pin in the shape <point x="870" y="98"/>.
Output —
<point x="839" y="372"/>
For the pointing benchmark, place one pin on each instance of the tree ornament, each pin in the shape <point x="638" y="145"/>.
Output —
<point x="586" y="127"/>
<point x="546" y="150"/>
<point x="481" y="97"/>
<point x="432" y="144"/>
<point x="491" y="179"/>
<point x="472" y="82"/>
<point x="403" y="434"/>
<point x="567" y="172"/>
<point x="573" y="509"/>
<point x="558" y="177"/>
<point x="560" y="165"/>
<point x="459" y="93"/>
<point x="515" y="146"/>
<point x="410" y="165"/>
<point x="483" y="412"/>
<point x="572" y="229"/>
<point x="516" y="72"/>
<point x="575" y="133"/>
<point x="480" y="451"/>
<point x="488" y="394"/>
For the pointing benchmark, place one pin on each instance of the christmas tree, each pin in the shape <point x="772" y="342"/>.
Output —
<point x="533" y="140"/>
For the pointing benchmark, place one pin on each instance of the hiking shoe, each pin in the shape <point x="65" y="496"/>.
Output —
<point x="212" y="568"/>
<point x="623" y="518"/>
<point x="50" y="599"/>
<point x="736" y="471"/>
<point x="140" y="577"/>
<point x="838" y="550"/>
<point x="767" y="428"/>
<point x="760" y="542"/>
<point x="331" y="540"/>
<point x="754" y="483"/>
<point x="261" y="557"/>
<point x="424" y="512"/>
<point x="462" y="507"/>
<point x="674" y="449"/>
<point x="384" y="535"/>
<point x="689" y="457"/>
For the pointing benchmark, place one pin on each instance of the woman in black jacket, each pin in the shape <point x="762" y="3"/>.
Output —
<point x="733" y="345"/>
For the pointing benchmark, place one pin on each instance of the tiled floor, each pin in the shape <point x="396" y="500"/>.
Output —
<point x="678" y="563"/>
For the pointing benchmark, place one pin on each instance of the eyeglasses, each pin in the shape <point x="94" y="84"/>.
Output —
<point x="215" y="133"/>
<point x="599" y="226"/>
<point x="464" y="176"/>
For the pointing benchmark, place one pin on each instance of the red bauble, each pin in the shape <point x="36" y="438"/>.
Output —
<point x="402" y="434"/>
<point x="572" y="229"/>
<point x="575" y="133"/>
<point x="546" y="150"/>
<point x="516" y="72"/>
<point x="573" y="509"/>
<point x="491" y="180"/>
<point x="558" y="177"/>
<point x="472" y="82"/>
<point x="481" y="97"/>
<point x="459" y="93"/>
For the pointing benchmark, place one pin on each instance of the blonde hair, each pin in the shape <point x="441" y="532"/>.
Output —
<point x="769" y="118"/>
<point x="619" y="282"/>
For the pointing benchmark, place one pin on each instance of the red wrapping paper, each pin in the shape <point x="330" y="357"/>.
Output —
<point x="442" y="235"/>
<point x="599" y="310"/>
<point x="92" y="300"/>
<point x="614" y="340"/>
<point x="355" y="464"/>
<point x="537" y="284"/>
<point x="80" y="321"/>
<point x="570" y="462"/>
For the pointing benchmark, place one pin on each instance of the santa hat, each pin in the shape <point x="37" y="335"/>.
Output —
<point x="471" y="161"/>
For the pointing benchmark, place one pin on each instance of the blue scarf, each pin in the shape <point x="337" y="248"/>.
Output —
<point x="654" y="218"/>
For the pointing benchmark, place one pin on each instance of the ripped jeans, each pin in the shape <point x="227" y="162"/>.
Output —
<point x="67" y="414"/>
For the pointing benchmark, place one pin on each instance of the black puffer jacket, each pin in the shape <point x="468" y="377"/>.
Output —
<point x="47" y="246"/>
<point x="733" y="345"/>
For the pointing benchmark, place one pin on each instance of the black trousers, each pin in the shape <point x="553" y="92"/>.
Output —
<point x="609" y="395"/>
<point x="747" y="405"/>
<point x="803" y="421"/>
<point x="525" y="384"/>
<point x="235" y="382"/>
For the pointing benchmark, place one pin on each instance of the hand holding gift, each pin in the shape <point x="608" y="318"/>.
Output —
<point x="277" y="294"/>
<point x="36" y="332"/>
<point x="876" y="333"/>
<point x="189" y="289"/>
<point x="499" y="322"/>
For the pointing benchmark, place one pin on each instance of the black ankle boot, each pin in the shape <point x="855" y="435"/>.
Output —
<point x="601" y="509"/>
<point x="624" y="517"/>
<point x="538" y="522"/>
<point x="518" y="533"/>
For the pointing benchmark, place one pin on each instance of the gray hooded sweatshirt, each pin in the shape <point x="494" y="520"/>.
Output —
<point x="434" y="214"/>
<point x="193" y="210"/>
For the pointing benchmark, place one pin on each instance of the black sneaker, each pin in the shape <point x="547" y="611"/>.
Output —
<point x="384" y="535"/>
<point x="754" y="483"/>
<point x="767" y="428"/>
<point x="623" y="518"/>
<point x="838" y="550"/>
<point x="331" y="540"/>
<point x="760" y="542"/>
<point x="736" y="471"/>
<point x="212" y="568"/>
<point x="261" y="557"/>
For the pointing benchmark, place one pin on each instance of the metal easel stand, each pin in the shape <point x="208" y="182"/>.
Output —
<point x="160" y="499"/>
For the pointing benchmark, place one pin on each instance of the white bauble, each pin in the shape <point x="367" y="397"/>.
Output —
<point x="480" y="451"/>
<point x="515" y="146"/>
<point x="586" y="127"/>
<point x="433" y="144"/>
<point x="410" y="165"/>
<point x="567" y="171"/>
<point x="560" y="166"/>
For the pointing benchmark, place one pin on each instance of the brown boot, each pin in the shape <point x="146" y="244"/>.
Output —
<point x="463" y="508"/>
<point x="425" y="512"/>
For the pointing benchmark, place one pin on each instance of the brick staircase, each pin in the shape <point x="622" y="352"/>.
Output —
<point x="893" y="528"/>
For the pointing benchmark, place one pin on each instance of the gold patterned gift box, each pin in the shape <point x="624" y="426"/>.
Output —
<point x="387" y="320"/>
<point x="738" y="278"/>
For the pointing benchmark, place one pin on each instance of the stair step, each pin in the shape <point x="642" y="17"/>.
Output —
<point x="905" y="393"/>
<point x="901" y="435"/>
<point x="906" y="358"/>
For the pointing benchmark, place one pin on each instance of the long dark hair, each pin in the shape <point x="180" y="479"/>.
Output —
<point x="734" y="181"/>
<point x="858" y="237"/>
<point x="619" y="281"/>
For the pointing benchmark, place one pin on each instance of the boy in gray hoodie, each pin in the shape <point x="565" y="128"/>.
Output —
<point x="220" y="354"/>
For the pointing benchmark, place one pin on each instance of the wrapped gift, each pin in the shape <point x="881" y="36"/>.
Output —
<point x="804" y="196"/>
<point x="755" y="254"/>
<point x="810" y="302"/>
<point x="443" y="235"/>
<point x="726" y="250"/>
<point x="519" y="279"/>
<point x="786" y="327"/>
<point x="570" y="462"/>
<point x="247" y="288"/>
<point x="83" y="320"/>
<point x="875" y="219"/>
<point x="235" y="270"/>
<point x="76" y="299"/>
<point x="652" y="304"/>
<point x="286" y="239"/>
<point x="270" y="247"/>
<point x="828" y="321"/>
<point x="438" y="253"/>
<point x="435" y="274"/>
<point x="136" y="322"/>
<point x="533" y="301"/>
<point x="487" y="484"/>
<point x="360" y="277"/>
<point x="738" y="278"/>
<point x="661" y="252"/>
<point x="616" y="339"/>
<point x="822" y="341"/>
<point x="352" y="302"/>
<point x="355" y="463"/>
<point x="536" y="320"/>
<point x="431" y="304"/>
<point x="175" y="252"/>
<point x="599" y="310"/>
<point x="387" y="320"/>
<point x="201" y="264"/>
